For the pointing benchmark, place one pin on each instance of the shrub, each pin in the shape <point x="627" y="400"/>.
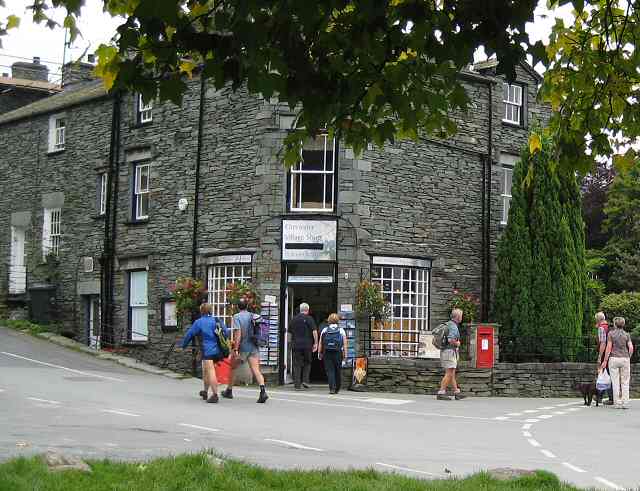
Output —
<point x="243" y="289"/>
<point x="370" y="301"/>
<point x="466" y="302"/>
<point x="625" y="304"/>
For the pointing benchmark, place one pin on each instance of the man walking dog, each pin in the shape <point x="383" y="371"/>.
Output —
<point x="449" y="358"/>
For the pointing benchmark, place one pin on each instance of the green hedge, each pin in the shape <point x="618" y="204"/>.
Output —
<point x="625" y="304"/>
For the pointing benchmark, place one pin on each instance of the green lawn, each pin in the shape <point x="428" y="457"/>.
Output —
<point x="195" y="472"/>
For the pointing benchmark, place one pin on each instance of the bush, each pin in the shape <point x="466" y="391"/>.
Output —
<point x="625" y="304"/>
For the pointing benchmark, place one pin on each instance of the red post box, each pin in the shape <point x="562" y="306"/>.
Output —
<point x="484" y="347"/>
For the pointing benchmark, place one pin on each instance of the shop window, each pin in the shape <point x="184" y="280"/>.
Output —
<point x="405" y="285"/>
<point x="512" y="99"/>
<point x="219" y="278"/>
<point x="138" y="306"/>
<point x="312" y="183"/>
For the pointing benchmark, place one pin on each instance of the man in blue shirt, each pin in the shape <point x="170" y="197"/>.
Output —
<point x="449" y="358"/>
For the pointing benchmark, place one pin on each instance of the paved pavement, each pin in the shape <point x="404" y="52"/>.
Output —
<point x="55" y="398"/>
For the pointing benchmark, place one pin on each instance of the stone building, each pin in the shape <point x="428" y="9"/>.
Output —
<point x="29" y="82"/>
<point x="108" y="199"/>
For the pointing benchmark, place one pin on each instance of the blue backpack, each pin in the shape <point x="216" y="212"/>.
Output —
<point x="332" y="339"/>
<point x="259" y="331"/>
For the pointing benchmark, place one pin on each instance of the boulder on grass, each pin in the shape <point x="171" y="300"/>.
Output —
<point x="507" y="473"/>
<point x="59" y="462"/>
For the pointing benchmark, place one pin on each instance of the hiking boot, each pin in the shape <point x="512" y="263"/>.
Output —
<point x="213" y="399"/>
<point x="203" y="394"/>
<point x="227" y="393"/>
<point x="458" y="396"/>
<point x="332" y="391"/>
<point x="298" y="388"/>
<point x="263" y="398"/>
<point x="306" y="386"/>
<point x="443" y="397"/>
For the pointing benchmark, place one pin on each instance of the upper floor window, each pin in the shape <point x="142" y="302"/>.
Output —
<point x="57" y="132"/>
<point x="145" y="110"/>
<point x="141" y="191"/>
<point x="507" y="162"/>
<point x="312" y="182"/>
<point x="102" y="194"/>
<point x="512" y="99"/>
<point x="51" y="231"/>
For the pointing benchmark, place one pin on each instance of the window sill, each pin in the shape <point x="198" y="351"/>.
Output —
<point x="303" y="211"/>
<point x="55" y="152"/>
<point x="511" y="124"/>
<point x="137" y="222"/>
<point x="141" y="125"/>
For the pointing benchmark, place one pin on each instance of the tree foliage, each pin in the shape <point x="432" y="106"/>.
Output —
<point x="595" y="187"/>
<point x="372" y="70"/>
<point x="591" y="81"/>
<point x="541" y="285"/>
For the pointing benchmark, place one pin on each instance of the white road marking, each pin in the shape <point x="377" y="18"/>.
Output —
<point x="566" y="404"/>
<point x="530" y="411"/>
<point x="205" y="428"/>
<point x="546" y="408"/>
<point x="380" y="409"/>
<point x="546" y="453"/>
<point x="47" y="401"/>
<point x="112" y="445"/>
<point x="545" y="416"/>
<point x="612" y="485"/>
<point x="62" y="368"/>
<point x="501" y="418"/>
<point x="526" y="426"/>
<point x="186" y="440"/>
<point x="526" y="434"/>
<point x="559" y="413"/>
<point x="533" y="442"/>
<point x="121" y="413"/>
<point x="514" y="414"/>
<point x="293" y="445"/>
<point x="405" y="469"/>
<point x="573" y="467"/>
<point x="532" y="420"/>
<point x="1" y="390"/>
<point x="573" y="409"/>
<point x="389" y="402"/>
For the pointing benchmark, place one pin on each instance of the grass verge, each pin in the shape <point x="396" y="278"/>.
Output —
<point x="26" y="326"/>
<point x="196" y="472"/>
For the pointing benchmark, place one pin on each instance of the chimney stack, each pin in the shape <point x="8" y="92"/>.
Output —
<point x="78" y="71"/>
<point x="30" y="71"/>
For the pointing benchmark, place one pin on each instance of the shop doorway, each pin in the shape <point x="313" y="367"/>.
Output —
<point x="312" y="283"/>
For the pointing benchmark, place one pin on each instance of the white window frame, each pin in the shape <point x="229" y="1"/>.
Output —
<point x="328" y="179"/>
<point x="138" y="306"/>
<point x="512" y="99"/>
<point x="51" y="232"/>
<point x="145" y="110"/>
<point x="506" y="172"/>
<point x="406" y="286"/>
<point x="102" y="200"/>
<point x="57" y="132"/>
<point x="140" y="193"/>
<point x="218" y="277"/>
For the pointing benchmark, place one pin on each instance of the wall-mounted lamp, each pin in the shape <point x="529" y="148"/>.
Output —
<point x="183" y="204"/>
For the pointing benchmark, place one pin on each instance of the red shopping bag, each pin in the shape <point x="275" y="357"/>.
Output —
<point x="223" y="371"/>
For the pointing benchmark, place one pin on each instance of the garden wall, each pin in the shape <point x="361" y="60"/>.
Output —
<point x="418" y="376"/>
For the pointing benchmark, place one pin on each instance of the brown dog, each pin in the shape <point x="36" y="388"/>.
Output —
<point x="589" y="392"/>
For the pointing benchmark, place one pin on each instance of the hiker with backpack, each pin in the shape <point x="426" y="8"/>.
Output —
<point x="446" y="337"/>
<point x="246" y="349"/>
<point x="333" y="349"/>
<point x="215" y="348"/>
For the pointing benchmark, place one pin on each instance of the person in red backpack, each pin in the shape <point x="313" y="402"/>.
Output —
<point x="603" y="333"/>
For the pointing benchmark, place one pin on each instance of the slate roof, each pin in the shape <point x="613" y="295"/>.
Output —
<point x="73" y="95"/>
<point x="493" y="62"/>
<point x="23" y="83"/>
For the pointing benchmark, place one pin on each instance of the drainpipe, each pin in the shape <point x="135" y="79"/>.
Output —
<point x="196" y="200"/>
<point x="107" y="272"/>
<point x="487" y="303"/>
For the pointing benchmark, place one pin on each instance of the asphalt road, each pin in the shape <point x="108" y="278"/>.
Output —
<point x="63" y="400"/>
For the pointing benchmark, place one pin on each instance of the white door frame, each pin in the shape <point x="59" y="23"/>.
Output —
<point x="93" y="302"/>
<point x="17" y="266"/>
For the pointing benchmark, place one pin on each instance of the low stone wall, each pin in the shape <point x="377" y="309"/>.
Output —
<point x="504" y="380"/>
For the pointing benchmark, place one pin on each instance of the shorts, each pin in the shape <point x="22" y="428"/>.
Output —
<point x="245" y="355"/>
<point x="448" y="358"/>
<point x="214" y="358"/>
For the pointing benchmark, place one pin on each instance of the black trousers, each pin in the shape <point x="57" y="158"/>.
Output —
<point x="333" y="367"/>
<point x="301" y="366"/>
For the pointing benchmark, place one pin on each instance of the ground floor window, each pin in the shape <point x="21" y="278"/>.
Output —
<point x="138" y="306"/>
<point x="219" y="278"/>
<point x="405" y="285"/>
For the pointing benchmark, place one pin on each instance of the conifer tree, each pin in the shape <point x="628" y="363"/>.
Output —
<point x="541" y="272"/>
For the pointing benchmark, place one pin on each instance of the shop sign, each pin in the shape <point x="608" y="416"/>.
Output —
<point x="309" y="240"/>
<point x="231" y="259"/>
<point x="310" y="279"/>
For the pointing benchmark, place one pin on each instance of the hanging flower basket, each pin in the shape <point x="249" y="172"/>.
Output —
<point x="467" y="302"/>
<point x="243" y="289"/>
<point x="371" y="302"/>
<point x="188" y="293"/>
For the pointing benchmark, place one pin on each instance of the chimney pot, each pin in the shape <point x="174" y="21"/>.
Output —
<point x="91" y="58"/>
<point x="36" y="60"/>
